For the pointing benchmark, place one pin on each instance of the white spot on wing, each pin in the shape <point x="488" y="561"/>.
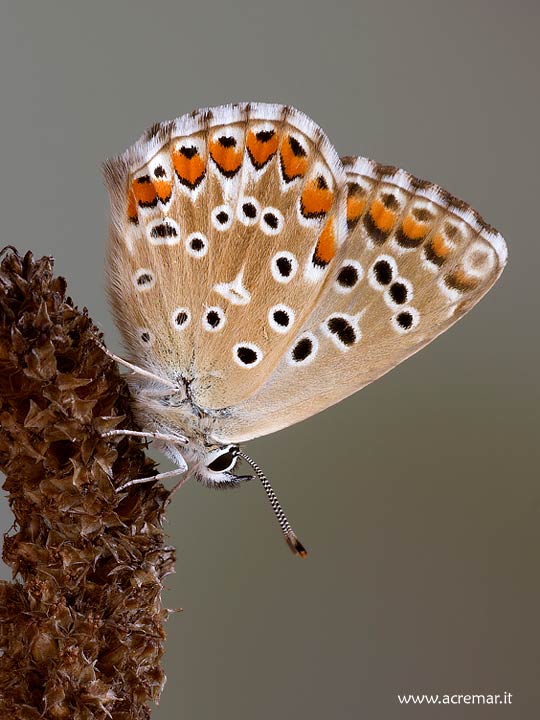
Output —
<point x="388" y="299"/>
<point x="216" y="327"/>
<point x="248" y="210"/>
<point x="146" y="338"/>
<point x="180" y="318"/>
<point x="160" y="167"/>
<point x="141" y="281"/>
<point x="196" y="251"/>
<point x="277" y="271"/>
<point x="372" y="278"/>
<point x="312" y="354"/>
<point x="451" y="293"/>
<point x="234" y="291"/>
<point x="275" y="324"/>
<point x="479" y="260"/>
<point x="222" y="217"/>
<point x="163" y="231"/>
<point x="414" y="316"/>
<point x="237" y="353"/>
<point x="344" y="289"/>
<point x="271" y="222"/>
<point x="161" y="172"/>
<point x="314" y="273"/>
<point x="353" y="321"/>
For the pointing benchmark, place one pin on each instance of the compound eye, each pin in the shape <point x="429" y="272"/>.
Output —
<point x="224" y="461"/>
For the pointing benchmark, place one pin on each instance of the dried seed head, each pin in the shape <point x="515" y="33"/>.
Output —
<point x="89" y="565"/>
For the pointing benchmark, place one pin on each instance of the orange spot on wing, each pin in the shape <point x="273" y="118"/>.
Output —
<point x="459" y="280"/>
<point x="326" y="246"/>
<point x="316" y="200"/>
<point x="228" y="159"/>
<point x="144" y="191"/>
<point x="190" y="170"/>
<point x="383" y="218"/>
<point x="440" y="246"/>
<point x="260" y="152"/>
<point x="414" y="229"/>
<point x="163" y="189"/>
<point x="355" y="207"/>
<point x="294" y="166"/>
<point x="132" y="207"/>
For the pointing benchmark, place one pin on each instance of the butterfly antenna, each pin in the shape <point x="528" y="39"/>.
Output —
<point x="290" y="538"/>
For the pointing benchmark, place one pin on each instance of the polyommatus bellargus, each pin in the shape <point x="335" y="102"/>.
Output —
<point x="257" y="279"/>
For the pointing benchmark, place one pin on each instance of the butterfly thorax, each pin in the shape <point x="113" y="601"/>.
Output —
<point x="173" y="412"/>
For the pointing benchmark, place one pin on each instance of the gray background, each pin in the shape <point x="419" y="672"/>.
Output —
<point x="417" y="498"/>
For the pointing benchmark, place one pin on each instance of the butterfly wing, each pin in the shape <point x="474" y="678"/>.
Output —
<point x="224" y="227"/>
<point x="416" y="259"/>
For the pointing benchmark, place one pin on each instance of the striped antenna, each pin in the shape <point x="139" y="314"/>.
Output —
<point x="290" y="538"/>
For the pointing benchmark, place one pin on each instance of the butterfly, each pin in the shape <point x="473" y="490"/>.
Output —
<point x="257" y="279"/>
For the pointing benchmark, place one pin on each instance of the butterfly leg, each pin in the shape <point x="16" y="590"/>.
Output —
<point x="153" y="478"/>
<point x="134" y="368"/>
<point x="149" y="434"/>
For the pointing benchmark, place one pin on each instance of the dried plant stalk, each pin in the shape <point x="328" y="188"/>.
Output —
<point x="81" y="627"/>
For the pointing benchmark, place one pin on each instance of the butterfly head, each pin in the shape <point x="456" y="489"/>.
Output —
<point x="216" y="465"/>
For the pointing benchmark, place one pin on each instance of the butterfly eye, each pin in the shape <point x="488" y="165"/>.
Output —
<point x="225" y="461"/>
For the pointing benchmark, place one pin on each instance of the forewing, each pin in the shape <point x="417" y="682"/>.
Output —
<point x="416" y="259"/>
<point x="225" y="226"/>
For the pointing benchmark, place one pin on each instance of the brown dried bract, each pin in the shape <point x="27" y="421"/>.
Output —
<point x="81" y="628"/>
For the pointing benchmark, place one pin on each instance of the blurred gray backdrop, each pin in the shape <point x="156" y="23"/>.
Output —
<point x="419" y="497"/>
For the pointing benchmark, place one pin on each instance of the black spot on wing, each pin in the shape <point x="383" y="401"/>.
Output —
<point x="348" y="276"/>
<point x="302" y="349"/>
<point x="246" y="355"/>
<point x="342" y="328"/>
<point x="163" y="231"/>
